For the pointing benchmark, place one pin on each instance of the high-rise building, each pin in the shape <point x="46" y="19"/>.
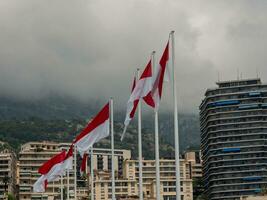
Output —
<point x="233" y="124"/>
<point x="7" y="173"/>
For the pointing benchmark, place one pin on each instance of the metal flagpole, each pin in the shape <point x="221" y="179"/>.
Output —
<point x="53" y="187"/>
<point x="68" y="184"/>
<point x="140" y="154"/>
<point x="61" y="187"/>
<point x="176" y="131"/>
<point x="92" y="173"/>
<point x="75" y="172"/>
<point x="112" y="149"/>
<point x="156" y="141"/>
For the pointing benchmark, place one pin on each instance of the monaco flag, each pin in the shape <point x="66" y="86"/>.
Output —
<point x="97" y="129"/>
<point x="161" y="73"/>
<point x="131" y="108"/>
<point x="51" y="171"/>
<point x="141" y="89"/>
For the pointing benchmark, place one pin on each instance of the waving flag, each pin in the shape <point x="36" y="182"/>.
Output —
<point x="131" y="108"/>
<point x="97" y="129"/>
<point x="51" y="171"/>
<point x="140" y="89"/>
<point x="160" y="74"/>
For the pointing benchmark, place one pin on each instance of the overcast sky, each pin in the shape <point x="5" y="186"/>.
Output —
<point x="91" y="48"/>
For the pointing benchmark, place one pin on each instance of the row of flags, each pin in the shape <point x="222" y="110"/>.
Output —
<point x="58" y="165"/>
<point x="147" y="88"/>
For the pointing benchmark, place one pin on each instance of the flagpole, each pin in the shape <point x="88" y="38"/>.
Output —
<point x="61" y="187"/>
<point x="53" y="188"/>
<point x="156" y="140"/>
<point x="112" y="149"/>
<point x="176" y="131"/>
<point x="75" y="172"/>
<point x="92" y="173"/>
<point x="68" y="184"/>
<point x="140" y="154"/>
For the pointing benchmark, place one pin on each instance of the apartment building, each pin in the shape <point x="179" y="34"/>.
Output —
<point x="258" y="197"/>
<point x="7" y="173"/>
<point x="167" y="178"/>
<point x="31" y="157"/>
<point x="34" y="154"/>
<point x="124" y="188"/>
<point x="233" y="121"/>
<point x="195" y="162"/>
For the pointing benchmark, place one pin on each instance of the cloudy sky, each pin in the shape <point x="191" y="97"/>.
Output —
<point x="89" y="49"/>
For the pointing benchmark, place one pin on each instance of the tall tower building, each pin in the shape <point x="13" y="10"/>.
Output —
<point x="233" y="122"/>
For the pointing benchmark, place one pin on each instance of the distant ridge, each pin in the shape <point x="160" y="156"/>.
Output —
<point x="57" y="118"/>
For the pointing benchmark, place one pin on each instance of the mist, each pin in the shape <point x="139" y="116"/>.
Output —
<point x="90" y="49"/>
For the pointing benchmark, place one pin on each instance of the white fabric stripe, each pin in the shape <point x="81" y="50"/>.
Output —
<point x="39" y="185"/>
<point x="142" y="88"/>
<point x="68" y="163"/>
<point x="130" y="106"/>
<point x="94" y="136"/>
<point x="55" y="172"/>
<point x="155" y="90"/>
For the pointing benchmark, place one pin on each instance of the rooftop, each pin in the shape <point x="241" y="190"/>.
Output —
<point x="232" y="83"/>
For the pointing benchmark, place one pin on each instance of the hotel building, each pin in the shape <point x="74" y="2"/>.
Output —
<point x="233" y="121"/>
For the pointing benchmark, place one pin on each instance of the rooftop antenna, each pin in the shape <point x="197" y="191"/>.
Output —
<point x="257" y="72"/>
<point x="238" y="74"/>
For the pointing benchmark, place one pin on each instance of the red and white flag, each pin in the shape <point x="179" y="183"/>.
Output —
<point x="97" y="129"/>
<point x="140" y="89"/>
<point x="51" y="170"/>
<point x="160" y="75"/>
<point x="131" y="108"/>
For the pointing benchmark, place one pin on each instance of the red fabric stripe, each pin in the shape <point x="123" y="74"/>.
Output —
<point x="83" y="165"/>
<point x="99" y="119"/>
<point x="163" y="61"/>
<point x="45" y="184"/>
<point x="149" y="100"/>
<point x="134" y="84"/>
<point x="45" y="168"/>
<point x="147" y="71"/>
<point x="70" y="152"/>
<point x="134" y="108"/>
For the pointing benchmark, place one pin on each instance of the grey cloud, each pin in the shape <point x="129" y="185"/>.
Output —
<point x="90" y="49"/>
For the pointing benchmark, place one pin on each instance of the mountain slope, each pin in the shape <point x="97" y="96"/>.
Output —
<point x="57" y="119"/>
